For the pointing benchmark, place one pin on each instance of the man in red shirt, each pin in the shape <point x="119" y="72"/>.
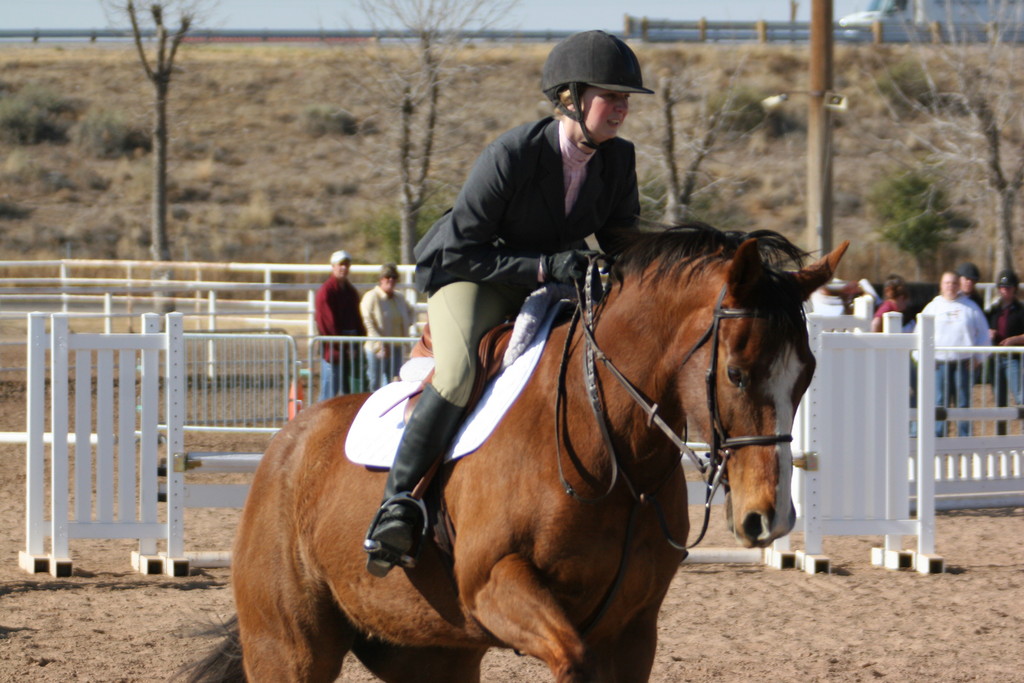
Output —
<point x="337" y="315"/>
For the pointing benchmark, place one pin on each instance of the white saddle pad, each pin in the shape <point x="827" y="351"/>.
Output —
<point x="373" y="438"/>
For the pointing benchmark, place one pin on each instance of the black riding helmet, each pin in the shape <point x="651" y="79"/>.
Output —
<point x="590" y="58"/>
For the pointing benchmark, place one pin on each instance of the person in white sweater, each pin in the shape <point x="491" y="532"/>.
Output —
<point x="958" y="322"/>
<point x="385" y="314"/>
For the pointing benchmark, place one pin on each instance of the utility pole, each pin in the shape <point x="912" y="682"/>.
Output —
<point x="819" y="131"/>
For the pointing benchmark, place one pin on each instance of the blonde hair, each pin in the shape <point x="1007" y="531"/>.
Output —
<point x="565" y="99"/>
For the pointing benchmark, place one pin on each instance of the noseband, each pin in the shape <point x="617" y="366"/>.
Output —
<point x="722" y="446"/>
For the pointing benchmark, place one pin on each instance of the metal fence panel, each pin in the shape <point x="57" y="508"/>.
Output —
<point x="239" y="382"/>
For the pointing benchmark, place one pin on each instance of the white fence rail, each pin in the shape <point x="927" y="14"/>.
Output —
<point x="863" y="471"/>
<point x="240" y="382"/>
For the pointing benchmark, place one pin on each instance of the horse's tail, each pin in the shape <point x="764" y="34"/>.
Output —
<point x="223" y="664"/>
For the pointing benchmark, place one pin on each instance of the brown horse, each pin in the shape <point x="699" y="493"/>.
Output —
<point x="567" y="532"/>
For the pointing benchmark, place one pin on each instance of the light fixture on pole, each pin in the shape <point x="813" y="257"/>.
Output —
<point x="832" y="100"/>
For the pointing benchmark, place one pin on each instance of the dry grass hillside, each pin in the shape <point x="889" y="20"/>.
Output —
<point x="252" y="178"/>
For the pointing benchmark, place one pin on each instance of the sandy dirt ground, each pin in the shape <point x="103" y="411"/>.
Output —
<point x="718" y="623"/>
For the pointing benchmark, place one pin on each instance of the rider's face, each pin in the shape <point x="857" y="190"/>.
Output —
<point x="604" y="112"/>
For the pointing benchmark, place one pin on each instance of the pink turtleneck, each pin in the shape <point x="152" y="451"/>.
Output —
<point x="574" y="166"/>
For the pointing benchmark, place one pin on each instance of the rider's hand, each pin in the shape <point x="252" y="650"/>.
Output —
<point x="566" y="266"/>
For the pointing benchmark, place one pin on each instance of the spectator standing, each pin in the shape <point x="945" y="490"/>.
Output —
<point x="834" y="298"/>
<point x="894" y="299"/>
<point x="958" y="322"/>
<point x="385" y="314"/>
<point x="969" y="275"/>
<point x="336" y="310"/>
<point x="1006" y="326"/>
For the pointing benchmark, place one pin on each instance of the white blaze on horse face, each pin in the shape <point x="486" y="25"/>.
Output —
<point x="784" y="373"/>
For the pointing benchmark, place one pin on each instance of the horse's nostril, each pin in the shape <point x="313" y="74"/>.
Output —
<point x="756" y="526"/>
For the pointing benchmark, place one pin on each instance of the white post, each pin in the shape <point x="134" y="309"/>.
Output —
<point x="211" y="310"/>
<point x="174" y="386"/>
<point x="311" y="303"/>
<point x="211" y="348"/>
<point x="926" y="435"/>
<point x="108" y="312"/>
<point x="267" y="301"/>
<point x="35" y="424"/>
<point x="128" y="309"/>
<point x="864" y="307"/>
<point x="897" y="432"/>
<point x="59" y="427"/>
<point x="816" y="423"/>
<point x="63" y="285"/>
<point x="148" y="431"/>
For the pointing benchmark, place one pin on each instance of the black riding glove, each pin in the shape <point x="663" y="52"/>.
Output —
<point x="566" y="266"/>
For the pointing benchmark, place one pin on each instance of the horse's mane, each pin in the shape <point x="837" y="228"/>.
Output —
<point x="691" y="247"/>
<point x="683" y="252"/>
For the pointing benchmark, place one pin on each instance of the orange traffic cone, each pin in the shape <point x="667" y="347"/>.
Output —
<point x="295" y="399"/>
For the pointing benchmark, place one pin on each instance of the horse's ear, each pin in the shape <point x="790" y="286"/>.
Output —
<point x="819" y="272"/>
<point x="745" y="270"/>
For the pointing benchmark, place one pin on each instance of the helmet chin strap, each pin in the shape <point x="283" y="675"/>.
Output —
<point x="578" y="114"/>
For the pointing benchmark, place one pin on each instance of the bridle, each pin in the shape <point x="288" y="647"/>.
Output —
<point x="722" y="446"/>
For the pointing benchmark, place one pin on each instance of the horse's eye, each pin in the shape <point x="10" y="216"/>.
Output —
<point x="737" y="376"/>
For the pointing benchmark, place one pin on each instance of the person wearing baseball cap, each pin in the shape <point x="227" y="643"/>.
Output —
<point x="385" y="313"/>
<point x="336" y="311"/>
<point x="1006" y="325"/>
<point x="520" y="220"/>
<point x="969" y="277"/>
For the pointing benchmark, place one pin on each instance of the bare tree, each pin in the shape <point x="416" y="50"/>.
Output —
<point x="410" y="76"/>
<point x="159" y="69"/>
<point x="968" y="98"/>
<point x="715" y="121"/>
<point x="680" y="186"/>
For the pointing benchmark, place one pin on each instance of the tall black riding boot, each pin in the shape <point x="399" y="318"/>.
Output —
<point x="400" y="521"/>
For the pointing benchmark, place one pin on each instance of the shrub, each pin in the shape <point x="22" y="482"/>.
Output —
<point x="914" y="213"/>
<point x="385" y="227"/>
<point x="10" y="210"/>
<point x="258" y="214"/>
<point x="105" y="134"/>
<point x="35" y="114"/>
<point x="320" y="120"/>
<point x="905" y="85"/>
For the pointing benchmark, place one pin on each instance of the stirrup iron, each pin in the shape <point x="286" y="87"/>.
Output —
<point x="383" y="558"/>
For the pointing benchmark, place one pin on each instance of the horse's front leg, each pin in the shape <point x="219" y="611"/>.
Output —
<point x="629" y="656"/>
<point x="516" y="608"/>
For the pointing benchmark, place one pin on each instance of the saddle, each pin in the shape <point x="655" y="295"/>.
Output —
<point x="490" y="353"/>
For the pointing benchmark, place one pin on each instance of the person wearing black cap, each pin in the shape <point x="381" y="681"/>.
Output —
<point x="969" y="277"/>
<point x="519" y="221"/>
<point x="1006" y="325"/>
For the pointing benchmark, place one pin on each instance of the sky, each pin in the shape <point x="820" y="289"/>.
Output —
<point x="562" y="15"/>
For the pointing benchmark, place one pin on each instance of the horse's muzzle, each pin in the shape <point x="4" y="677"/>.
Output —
<point x="759" y="528"/>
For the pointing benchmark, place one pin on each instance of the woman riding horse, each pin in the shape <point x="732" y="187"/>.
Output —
<point x="532" y="198"/>
<point x="566" y="527"/>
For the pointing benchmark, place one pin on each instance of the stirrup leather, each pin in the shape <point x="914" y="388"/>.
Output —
<point x="382" y="558"/>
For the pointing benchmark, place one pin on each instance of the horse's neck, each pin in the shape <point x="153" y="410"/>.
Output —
<point x="644" y="332"/>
